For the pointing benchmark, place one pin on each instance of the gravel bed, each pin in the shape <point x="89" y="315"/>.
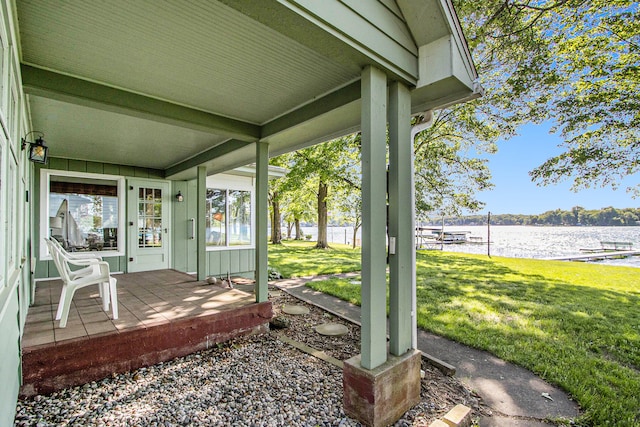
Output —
<point x="250" y="381"/>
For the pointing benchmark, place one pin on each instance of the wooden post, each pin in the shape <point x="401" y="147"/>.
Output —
<point x="262" y="221"/>
<point x="201" y="190"/>
<point x="489" y="234"/>
<point x="401" y="220"/>
<point x="374" y="212"/>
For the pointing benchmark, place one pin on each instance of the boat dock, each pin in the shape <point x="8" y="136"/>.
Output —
<point x="593" y="256"/>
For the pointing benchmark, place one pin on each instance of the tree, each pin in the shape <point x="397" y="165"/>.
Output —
<point x="297" y="207"/>
<point x="349" y="206"/>
<point x="332" y="163"/>
<point x="447" y="177"/>
<point x="276" y="187"/>
<point x="574" y="62"/>
<point x="276" y="219"/>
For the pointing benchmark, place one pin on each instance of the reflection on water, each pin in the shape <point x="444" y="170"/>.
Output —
<point x="526" y="241"/>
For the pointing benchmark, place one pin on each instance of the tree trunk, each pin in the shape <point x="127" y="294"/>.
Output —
<point x="299" y="235"/>
<point x="355" y="233"/>
<point x="276" y="232"/>
<point x="289" y="227"/>
<point x="323" y="191"/>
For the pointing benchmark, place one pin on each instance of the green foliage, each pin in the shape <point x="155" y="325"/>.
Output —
<point x="326" y="176"/>
<point x="573" y="62"/>
<point x="574" y="324"/>
<point x="447" y="173"/>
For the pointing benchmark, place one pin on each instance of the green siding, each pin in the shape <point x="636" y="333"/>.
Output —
<point x="373" y="29"/>
<point x="9" y="358"/>
<point x="94" y="167"/>
<point x="183" y="249"/>
<point x="127" y="171"/>
<point x="57" y="163"/>
<point x="141" y="173"/>
<point x="232" y="261"/>
<point x="155" y="173"/>
<point x="77" y="165"/>
<point x="190" y="253"/>
<point x="110" y="169"/>
<point x="44" y="269"/>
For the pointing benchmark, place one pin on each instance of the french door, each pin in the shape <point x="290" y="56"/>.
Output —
<point x="148" y="207"/>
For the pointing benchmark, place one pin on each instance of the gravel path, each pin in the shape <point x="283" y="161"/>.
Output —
<point x="252" y="381"/>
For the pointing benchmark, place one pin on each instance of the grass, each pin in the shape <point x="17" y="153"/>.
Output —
<point x="294" y="258"/>
<point x="576" y="325"/>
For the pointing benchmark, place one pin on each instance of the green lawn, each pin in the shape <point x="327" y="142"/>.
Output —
<point x="576" y="325"/>
<point x="294" y="258"/>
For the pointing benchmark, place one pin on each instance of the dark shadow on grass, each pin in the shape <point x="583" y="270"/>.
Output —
<point x="582" y="338"/>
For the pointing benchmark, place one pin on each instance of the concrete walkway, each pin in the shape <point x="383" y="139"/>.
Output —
<point x="516" y="396"/>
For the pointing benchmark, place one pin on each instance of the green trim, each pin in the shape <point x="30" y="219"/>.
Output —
<point x="327" y="103"/>
<point x="401" y="221"/>
<point x="49" y="84"/>
<point x="374" y="218"/>
<point x="212" y="153"/>
<point x="201" y="222"/>
<point x="262" y="221"/>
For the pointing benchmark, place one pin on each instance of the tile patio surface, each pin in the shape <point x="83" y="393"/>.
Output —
<point x="144" y="299"/>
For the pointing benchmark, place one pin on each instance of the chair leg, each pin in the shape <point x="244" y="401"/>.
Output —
<point x="66" y="305"/>
<point x="113" y="293"/>
<point x="104" y="294"/>
<point x="63" y="295"/>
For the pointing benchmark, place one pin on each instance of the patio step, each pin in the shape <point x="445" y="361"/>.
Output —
<point x="53" y="366"/>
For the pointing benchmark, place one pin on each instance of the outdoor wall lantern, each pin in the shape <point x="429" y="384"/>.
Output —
<point x="37" y="150"/>
<point x="179" y="196"/>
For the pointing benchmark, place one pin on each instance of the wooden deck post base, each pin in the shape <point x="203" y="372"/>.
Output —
<point x="380" y="396"/>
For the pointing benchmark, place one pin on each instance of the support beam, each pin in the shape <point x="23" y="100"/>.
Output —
<point x="374" y="223"/>
<point x="49" y="84"/>
<point x="320" y="106"/>
<point x="201" y="190"/>
<point x="212" y="153"/>
<point x="262" y="220"/>
<point x="401" y="219"/>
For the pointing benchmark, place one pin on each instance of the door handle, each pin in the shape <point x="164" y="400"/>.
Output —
<point x="193" y="228"/>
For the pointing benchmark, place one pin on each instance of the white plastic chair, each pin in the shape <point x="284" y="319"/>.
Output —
<point x="74" y="255"/>
<point x="95" y="272"/>
<point x="56" y="248"/>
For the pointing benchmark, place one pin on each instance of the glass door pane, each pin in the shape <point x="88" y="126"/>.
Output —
<point x="150" y="218"/>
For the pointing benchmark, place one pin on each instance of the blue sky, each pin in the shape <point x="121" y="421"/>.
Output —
<point x="515" y="193"/>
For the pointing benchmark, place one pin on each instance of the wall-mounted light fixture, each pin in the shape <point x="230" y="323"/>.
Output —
<point x="37" y="150"/>
<point x="179" y="196"/>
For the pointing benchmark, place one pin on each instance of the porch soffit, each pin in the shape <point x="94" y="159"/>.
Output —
<point x="195" y="82"/>
<point x="201" y="54"/>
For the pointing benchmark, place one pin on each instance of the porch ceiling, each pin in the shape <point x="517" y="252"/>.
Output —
<point x="170" y="85"/>
<point x="202" y="55"/>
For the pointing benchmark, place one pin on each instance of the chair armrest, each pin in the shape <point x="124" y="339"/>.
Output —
<point x="83" y="255"/>
<point x="82" y="262"/>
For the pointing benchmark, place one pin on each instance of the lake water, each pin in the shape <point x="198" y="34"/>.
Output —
<point x="524" y="241"/>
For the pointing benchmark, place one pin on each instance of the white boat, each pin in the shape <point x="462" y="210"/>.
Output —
<point x="452" y="237"/>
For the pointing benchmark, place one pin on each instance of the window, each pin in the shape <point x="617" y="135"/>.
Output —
<point x="84" y="212"/>
<point x="150" y="218"/>
<point x="228" y="218"/>
<point x="216" y="217"/>
<point x="239" y="225"/>
<point x="11" y="215"/>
